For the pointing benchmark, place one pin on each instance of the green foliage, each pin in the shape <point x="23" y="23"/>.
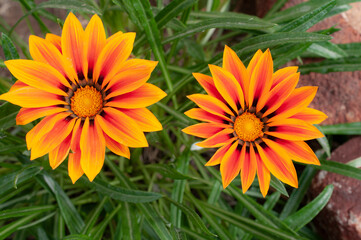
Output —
<point x="165" y="191"/>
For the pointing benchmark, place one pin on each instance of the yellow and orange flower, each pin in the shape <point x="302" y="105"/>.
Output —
<point x="258" y="119"/>
<point x="91" y="95"/>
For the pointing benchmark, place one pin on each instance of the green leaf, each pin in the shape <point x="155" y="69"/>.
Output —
<point x="94" y="216"/>
<point x="9" y="49"/>
<point x="121" y="194"/>
<point x="324" y="142"/>
<point x="71" y="216"/>
<point x="351" y="49"/>
<point x="167" y="171"/>
<point x="307" y="213"/>
<point x="77" y="237"/>
<point x="306" y="21"/>
<point x="192" y="216"/>
<point x="87" y="6"/>
<point x="333" y="65"/>
<point x="278" y="185"/>
<point x="343" y="128"/>
<point x="98" y="231"/>
<point x="339" y="168"/>
<point x="8" y="229"/>
<point x="355" y="163"/>
<point x="11" y="180"/>
<point x="129" y="224"/>
<point x="173" y="9"/>
<point x="19" y="212"/>
<point x="327" y="50"/>
<point x="8" y="114"/>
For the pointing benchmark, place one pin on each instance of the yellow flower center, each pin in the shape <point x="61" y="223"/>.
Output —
<point x="248" y="127"/>
<point x="86" y="102"/>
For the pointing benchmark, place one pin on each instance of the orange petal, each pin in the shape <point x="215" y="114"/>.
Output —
<point x="27" y="115"/>
<point x="212" y="105"/>
<point x="29" y="97"/>
<point x="254" y="61"/>
<point x="278" y="162"/>
<point x="134" y="73"/>
<point x="261" y="79"/>
<point x="205" y="130"/>
<point x="39" y="75"/>
<point x="115" y="35"/>
<point x="228" y="87"/>
<point x="299" y="151"/>
<point x="43" y="51"/>
<point x="52" y="139"/>
<point x="72" y="39"/>
<point x="218" y="139"/>
<point x="114" y="53"/>
<point x="208" y="84"/>
<point x="293" y="129"/>
<point x="219" y="154"/>
<point x="75" y="140"/>
<point x="54" y="39"/>
<point x="278" y="95"/>
<point x="234" y="65"/>
<point x="92" y="146"/>
<point x="311" y="116"/>
<point x="248" y="167"/>
<point x="145" y="119"/>
<point x="74" y="168"/>
<point x="282" y="74"/>
<point x="58" y="155"/>
<point x="116" y="147"/>
<point x="144" y="96"/>
<point x="263" y="174"/>
<point x="298" y="100"/>
<point x="18" y="84"/>
<point x="121" y="128"/>
<point x="94" y="42"/>
<point x="202" y="115"/>
<point x="231" y="164"/>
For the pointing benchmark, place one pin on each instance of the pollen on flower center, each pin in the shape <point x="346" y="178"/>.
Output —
<point x="86" y="102"/>
<point x="248" y="127"/>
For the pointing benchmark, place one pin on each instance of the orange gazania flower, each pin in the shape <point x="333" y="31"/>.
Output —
<point x="90" y="94"/>
<point x="257" y="118"/>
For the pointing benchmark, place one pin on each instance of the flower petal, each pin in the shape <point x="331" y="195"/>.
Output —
<point x="212" y="105"/>
<point x="202" y="115"/>
<point x="261" y="79"/>
<point x="74" y="168"/>
<point x="145" y="119"/>
<point x="144" y="96"/>
<point x="228" y="87"/>
<point x="208" y="84"/>
<point x="27" y="115"/>
<point x="248" y="167"/>
<point x="58" y="155"/>
<point x="231" y="164"/>
<point x="219" y="154"/>
<point x="29" y="97"/>
<point x="54" y="39"/>
<point x="278" y="162"/>
<point x="299" y="151"/>
<point x="92" y="146"/>
<point x="293" y="129"/>
<point x="121" y="128"/>
<point x="218" y="139"/>
<point x="234" y="65"/>
<point x="205" y="130"/>
<point x="263" y="174"/>
<point x="72" y="39"/>
<point x="115" y="52"/>
<point x="52" y="139"/>
<point x="254" y="61"/>
<point x="43" y="51"/>
<point x="278" y="95"/>
<point x="39" y="75"/>
<point x="116" y="147"/>
<point x="298" y="100"/>
<point x="282" y="74"/>
<point x="133" y="74"/>
<point x="94" y="42"/>
<point x="311" y="116"/>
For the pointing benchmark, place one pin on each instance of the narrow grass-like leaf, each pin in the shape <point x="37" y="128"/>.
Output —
<point x="8" y="113"/>
<point x="87" y="6"/>
<point x="351" y="49"/>
<point x="308" y="212"/>
<point x="94" y="217"/>
<point x="129" y="223"/>
<point x="327" y="50"/>
<point x="77" y="237"/>
<point x="339" y="168"/>
<point x="355" y="163"/>
<point x="121" y="194"/>
<point x="19" y="212"/>
<point x="343" y="128"/>
<point x="8" y="229"/>
<point x="298" y="194"/>
<point x="333" y="65"/>
<point x="173" y="9"/>
<point x="324" y="142"/>
<point x="306" y="21"/>
<point x="71" y="216"/>
<point x="98" y="231"/>
<point x="192" y="216"/>
<point x="180" y="116"/>
<point x="278" y="185"/>
<point x="167" y="171"/>
<point x="9" y="49"/>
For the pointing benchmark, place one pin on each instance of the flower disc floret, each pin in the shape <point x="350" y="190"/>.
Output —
<point x="86" y="102"/>
<point x="248" y="127"/>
